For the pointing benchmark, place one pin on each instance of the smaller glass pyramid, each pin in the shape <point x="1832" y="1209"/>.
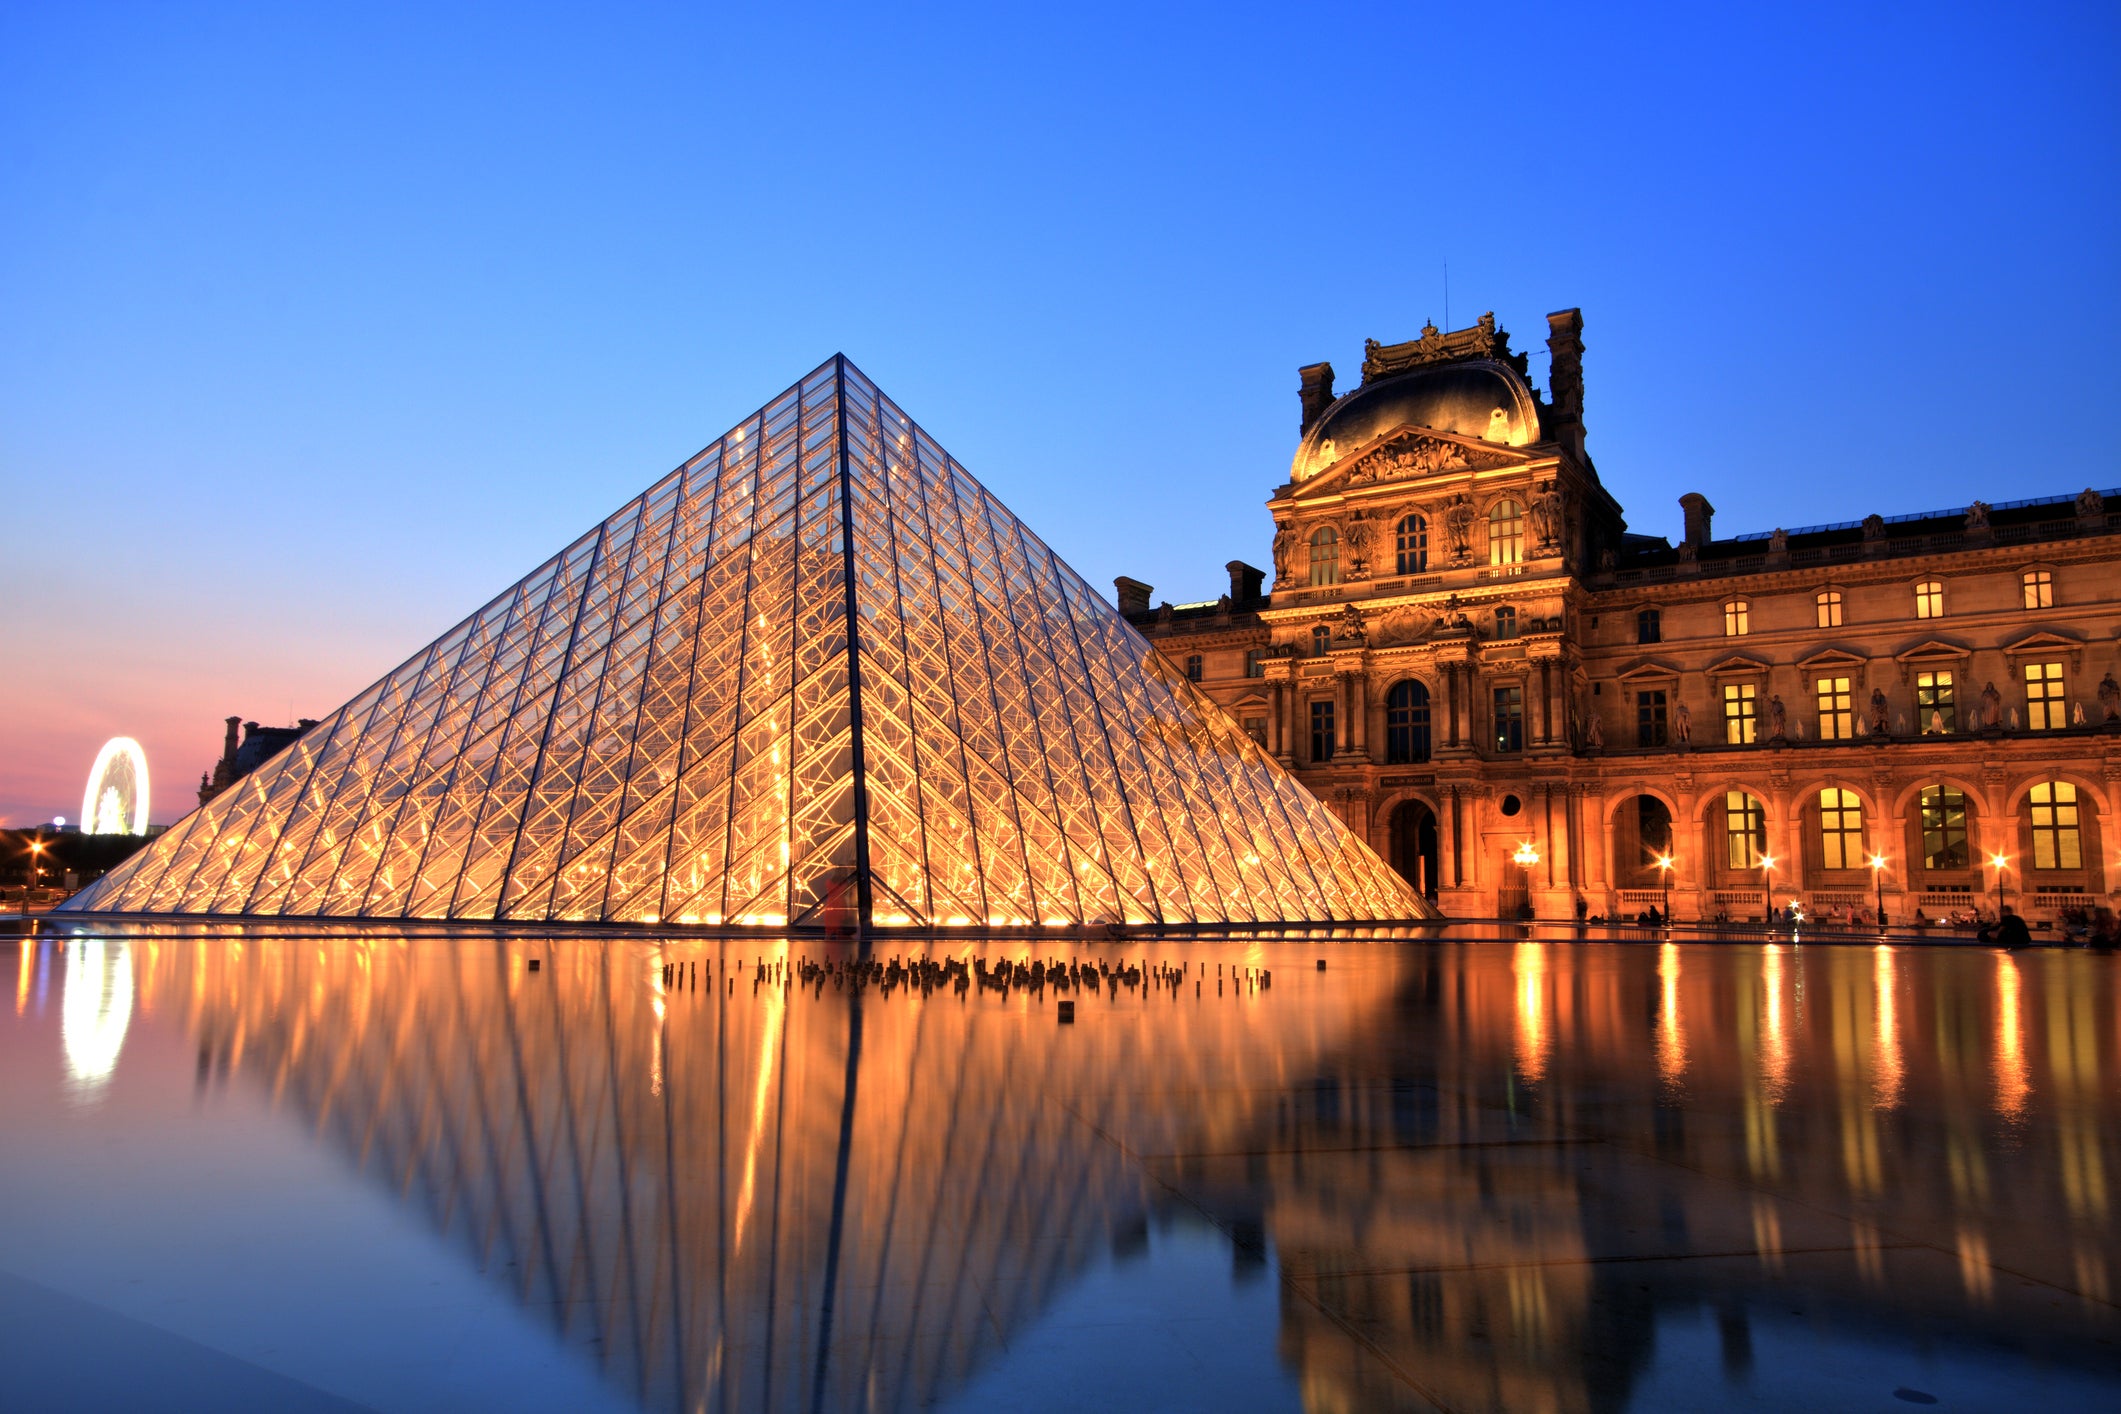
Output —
<point x="818" y="666"/>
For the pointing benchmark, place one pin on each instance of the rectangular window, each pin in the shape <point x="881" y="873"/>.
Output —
<point x="1837" y="719"/>
<point x="1256" y="728"/>
<point x="1840" y="829"/>
<point x="1509" y="719"/>
<point x="1255" y="663"/>
<point x="1929" y="599"/>
<point x="1744" y="830"/>
<point x="1322" y="731"/>
<point x="1829" y="606"/>
<point x="1935" y="707"/>
<point x="1737" y="618"/>
<point x="2045" y="710"/>
<point x="1943" y="827"/>
<point x="1650" y="718"/>
<point x="2058" y="841"/>
<point x="2039" y="589"/>
<point x="1649" y="626"/>
<point x="1193" y="667"/>
<point x="1741" y="718"/>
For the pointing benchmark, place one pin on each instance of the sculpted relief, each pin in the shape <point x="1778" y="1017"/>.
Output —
<point x="1458" y="517"/>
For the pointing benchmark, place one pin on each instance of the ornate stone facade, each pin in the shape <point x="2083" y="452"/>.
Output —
<point x="1523" y="705"/>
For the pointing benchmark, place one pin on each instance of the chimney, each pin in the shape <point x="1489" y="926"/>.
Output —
<point x="1565" y="378"/>
<point x="1316" y="392"/>
<point x="1244" y="584"/>
<point x="1133" y="595"/>
<point x="1698" y="511"/>
<point x="228" y="743"/>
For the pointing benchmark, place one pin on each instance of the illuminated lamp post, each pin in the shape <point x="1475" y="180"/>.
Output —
<point x="1664" y="880"/>
<point x="1767" y="889"/>
<point x="1877" y="863"/>
<point x="36" y="849"/>
<point x="1999" y="863"/>
<point x="1526" y="858"/>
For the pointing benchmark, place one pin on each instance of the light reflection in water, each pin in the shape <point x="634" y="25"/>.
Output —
<point x="96" y="1009"/>
<point x="692" y="1175"/>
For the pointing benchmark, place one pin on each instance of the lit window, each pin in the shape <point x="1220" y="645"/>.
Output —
<point x="1837" y="719"/>
<point x="2039" y="589"/>
<point x="1935" y="706"/>
<point x="1412" y="541"/>
<point x="1325" y="556"/>
<point x="1193" y="667"/>
<point x="1929" y="599"/>
<point x="1505" y="622"/>
<point x="1741" y="713"/>
<point x="1321" y="641"/>
<point x="1943" y="811"/>
<point x="1255" y="663"/>
<point x="1744" y="830"/>
<point x="1737" y="618"/>
<point x="1322" y="731"/>
<point x="2045" y="709"/>
<point x="1407" y="723"/>
<point x="1509" y="719"/>
<point x="1649" y="626"/>
<point x="2058" y="842"/>
<point x="1828" y="603"/>
<point x="1256" y="728"/>
<point x="1506" y="534"/>
<point x="1651" y="721"/>
<point x="1840" y="829"/>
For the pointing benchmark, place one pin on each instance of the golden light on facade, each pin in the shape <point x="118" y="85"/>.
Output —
<point x="1527" y="854"/>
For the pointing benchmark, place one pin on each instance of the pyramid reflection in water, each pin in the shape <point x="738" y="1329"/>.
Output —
<point x="670" y="721"/>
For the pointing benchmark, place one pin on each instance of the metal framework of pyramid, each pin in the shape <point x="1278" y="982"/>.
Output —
<point x="671" y="722"/>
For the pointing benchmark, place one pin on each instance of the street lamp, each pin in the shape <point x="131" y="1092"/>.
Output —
<point x="36" y="848"/>
<point x="1877" y="863"/>
<point x="1525" y="858"/>
<point x="1664" y="880"/>
<point x="1999" y="863"/>
<point x="1767" y="888"/>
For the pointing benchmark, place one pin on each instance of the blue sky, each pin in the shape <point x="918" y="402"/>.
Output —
<point x="320" y="324"/>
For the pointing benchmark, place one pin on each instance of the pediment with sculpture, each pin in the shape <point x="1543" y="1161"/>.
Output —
<point x="1407" y="455"/>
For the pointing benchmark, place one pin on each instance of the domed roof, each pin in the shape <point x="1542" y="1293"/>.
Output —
<point x="1478" y="397"/>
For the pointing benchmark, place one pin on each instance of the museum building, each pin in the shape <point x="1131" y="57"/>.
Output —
<point x="1525" y="706"/>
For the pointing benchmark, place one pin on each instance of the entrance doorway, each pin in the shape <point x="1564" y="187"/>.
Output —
<point x="1414" y="846"/>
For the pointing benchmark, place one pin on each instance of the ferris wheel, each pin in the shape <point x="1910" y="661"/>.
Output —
<point x="116" y="801"/>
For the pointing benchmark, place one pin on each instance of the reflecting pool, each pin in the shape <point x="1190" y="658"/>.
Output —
<point x="413" y="1172"/>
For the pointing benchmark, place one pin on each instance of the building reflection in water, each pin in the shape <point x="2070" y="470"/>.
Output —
<point x="1485" y="1171"/>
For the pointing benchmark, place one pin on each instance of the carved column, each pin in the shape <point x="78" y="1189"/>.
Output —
<point x="1557" y="827"/>
<point x="1546" y="701"/>
<point x="1359" y="713"/>
<point x="1278" y="719"/>
<point x="1596" y="848"/>
<point x="1454" y="835"/>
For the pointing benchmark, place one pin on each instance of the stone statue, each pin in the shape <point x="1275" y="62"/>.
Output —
<point x="1874" y="526"/>
<point x="2109" y="699"/>
<point x="2076" y="714"/>
<point x="1682" y="723"/>
<point x="1458" y="528"/>
<point x="1608" y="558"/>
<point x="1991" y="706"/>
<point x="1222" y="606"/>
<point x="1777" y="720"/>
<point x="1546" y="515"/>
<point x="1356" y="535"/>
<point x="1936" y="721"/>
<point x="1977" y="516"/>
<point x="1687" y="552"/>
<point x="1352" y="627"/>
<point x="1284" y="546"/>
<point x="2090" y="504"/>
<point x="1778" y="544"/>
<point x="1163" y="614"/>
<point x="1879" y="711"/>
<point x="1594" y="733"/>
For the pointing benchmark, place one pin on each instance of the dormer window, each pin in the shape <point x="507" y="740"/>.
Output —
<point x="1325" y="556"/>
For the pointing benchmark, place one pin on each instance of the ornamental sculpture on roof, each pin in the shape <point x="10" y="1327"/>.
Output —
<point x="1483" y="340"/>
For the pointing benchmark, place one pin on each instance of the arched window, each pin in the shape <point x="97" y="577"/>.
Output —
<point x="1828" y="603"/>
<point x="1407" y="722"/>
<point x="1506" y="533"/>
<point x="1505" y="621"/>
<point x="1943" y="812"/>
<point x="1411" y="541"/>
<point x="1744" y="830"/>
<point x="1929" y="599"/>
<point x="1840" y="829"/>
<point x="2058" y="836"/>
<point x="1321" y="641"/>
<point x="1325" y="556"/>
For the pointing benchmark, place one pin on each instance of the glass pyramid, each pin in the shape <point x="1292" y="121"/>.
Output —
<point x="671" y="722"/>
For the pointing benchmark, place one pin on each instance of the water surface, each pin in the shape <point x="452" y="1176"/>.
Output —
<point x="407" y="1172"/>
